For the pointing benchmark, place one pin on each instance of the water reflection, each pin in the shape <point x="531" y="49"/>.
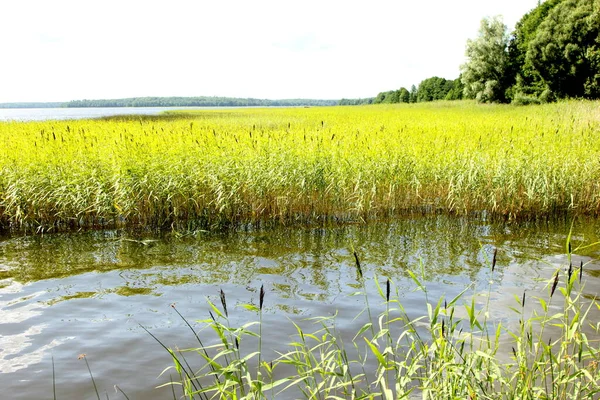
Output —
<point x="91" y="290"/>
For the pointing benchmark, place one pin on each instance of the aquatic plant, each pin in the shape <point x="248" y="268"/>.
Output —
<point x="439" y="355"/>
<point x="224" y="168"/>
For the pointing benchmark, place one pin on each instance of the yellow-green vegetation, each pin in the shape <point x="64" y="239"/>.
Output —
<point x="220" y="168"/>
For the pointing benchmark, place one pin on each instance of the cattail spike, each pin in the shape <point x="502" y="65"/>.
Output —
<point x="494" y="259"/>
<point x="387" y="290"/>
<point x="570" y="272"/>
<point x="523" y="301"/>
<point x="443" y="327"/>
<point x="580" y="270"/>
<point x="224" y="303"/>
<point x="237" y="343"/>
<point x="261" y="297"/>
<point x="554" y="284"/>
<point x="569" y="246"/>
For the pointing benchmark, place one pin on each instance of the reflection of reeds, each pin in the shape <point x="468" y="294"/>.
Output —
<point x="221" y="169"/>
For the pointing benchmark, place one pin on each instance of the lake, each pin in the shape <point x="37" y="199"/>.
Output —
<point x="62" y="295"/>
<point x="41" y="114"/>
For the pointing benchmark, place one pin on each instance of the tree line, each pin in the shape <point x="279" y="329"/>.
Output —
<point x="553" y="53"/>
<point x="203" y="101"/>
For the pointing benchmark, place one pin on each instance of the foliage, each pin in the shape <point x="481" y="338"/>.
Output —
<point x="565" y="51"/>
<point x="521" y="72"/>
<point x="430" y="89"/>
<point x="217" y="169"/>
<point x="484" y="74"/>
<point x="356" y="102"/>
<point x="436" y="88"/>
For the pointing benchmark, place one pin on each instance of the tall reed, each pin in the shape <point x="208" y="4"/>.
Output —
<point x="219" y="169"/>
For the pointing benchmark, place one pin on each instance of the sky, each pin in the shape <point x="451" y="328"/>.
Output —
<point x="63" y="50"/>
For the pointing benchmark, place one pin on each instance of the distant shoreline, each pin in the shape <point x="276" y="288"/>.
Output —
<point x="202" y="101"/>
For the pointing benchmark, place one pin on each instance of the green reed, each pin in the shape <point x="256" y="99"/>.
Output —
<point x="455" y="351"/>
<point x="222" y="169"/>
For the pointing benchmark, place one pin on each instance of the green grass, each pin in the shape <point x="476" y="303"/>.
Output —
<point x="219" y="169"/>
<point x="456" y="351"/>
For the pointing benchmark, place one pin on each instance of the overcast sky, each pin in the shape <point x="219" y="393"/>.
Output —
<point x="60" y="50"/>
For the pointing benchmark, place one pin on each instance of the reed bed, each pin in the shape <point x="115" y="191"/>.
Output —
<point x="456" y="351"/>
<point x="225" y="168"/>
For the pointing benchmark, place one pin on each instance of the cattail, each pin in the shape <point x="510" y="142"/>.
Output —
<point x="580" y="270"/>
<point x="494" y="259"/>
<point x="237" y="343"/>
<point x="445" y="304"/>
<point x="554" y="284"/>
<point x="224" y="303"/>
<point x="261" y="297"/>
<point x="360" y="274"/>
<point x="570" y="272"/>
<point x="514" y="352"/>
<point x="569" y="246"/>
<point x="443" y="327"/>
<point x="523" y="300"/>
<point x="387" y="290"/>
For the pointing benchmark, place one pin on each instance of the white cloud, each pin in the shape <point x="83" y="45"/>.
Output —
<point x="62" y="50"/>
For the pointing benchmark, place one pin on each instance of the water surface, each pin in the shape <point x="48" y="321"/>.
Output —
<point x="64" y="295"/>
<point x="42" y="114"/>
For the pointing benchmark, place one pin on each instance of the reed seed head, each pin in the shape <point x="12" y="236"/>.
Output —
<point x="261" y="297"/>
<point x="387" y="290"/>
<point x="224" y="302"/>
<point x="443" y="327"/>
<point x="554" y="284"/>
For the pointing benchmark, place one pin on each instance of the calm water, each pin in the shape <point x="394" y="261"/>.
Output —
<point x="41" y="114"/>
<point x="66" y="295"/>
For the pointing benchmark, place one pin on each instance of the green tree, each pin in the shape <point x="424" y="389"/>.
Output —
<point x="521" y="73"/>
<point x="456" y="90"/>
<point x="566" y="49"/>
<point x="413" y="94"/>
<point x="483" y="75"/>
<point x="404" y="95"/>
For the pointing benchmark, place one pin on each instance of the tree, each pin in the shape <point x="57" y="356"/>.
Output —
<point x="413" y="94"/>
<point x="484" y="73"/>
<point x="404" y="95"/>
<point x="520" y="72"/>
<point x="565" y="51"/>
<point x="456" y="90"/>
